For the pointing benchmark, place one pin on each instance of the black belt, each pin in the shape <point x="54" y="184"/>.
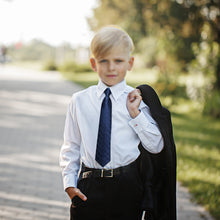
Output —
<point x="87" y="172"/>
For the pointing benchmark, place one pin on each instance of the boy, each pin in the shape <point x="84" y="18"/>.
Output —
<point x="104" y="126"/>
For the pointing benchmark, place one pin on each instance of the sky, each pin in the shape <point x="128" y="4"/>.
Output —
<point x="53" y="21"/>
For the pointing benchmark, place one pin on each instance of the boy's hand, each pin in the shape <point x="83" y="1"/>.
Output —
<point x="73" y="191"/>
<point x="133" y="102"/>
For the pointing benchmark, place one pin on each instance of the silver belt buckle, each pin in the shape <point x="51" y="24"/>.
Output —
<point x="86" y="174"/>
<point x="109" y="176"/>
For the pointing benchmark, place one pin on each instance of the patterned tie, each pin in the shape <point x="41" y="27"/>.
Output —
<point x="104" y="135"/>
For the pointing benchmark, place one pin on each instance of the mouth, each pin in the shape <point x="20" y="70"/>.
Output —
<point x="111" y="76"/>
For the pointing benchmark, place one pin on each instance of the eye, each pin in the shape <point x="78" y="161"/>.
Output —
<point x="103" y="61"/>
<point x="118" y="61"/>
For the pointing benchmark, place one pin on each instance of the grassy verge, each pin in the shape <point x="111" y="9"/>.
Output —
<point x="198" y="156"/>
<point x="197" y="139"/>
<point x="83" y="79"/>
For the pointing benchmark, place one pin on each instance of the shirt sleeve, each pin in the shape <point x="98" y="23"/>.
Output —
<point x="147" y="130"/>
<point x="70" y="151"/>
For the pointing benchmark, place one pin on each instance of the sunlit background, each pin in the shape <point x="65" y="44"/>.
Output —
<point x="52" y="21"/>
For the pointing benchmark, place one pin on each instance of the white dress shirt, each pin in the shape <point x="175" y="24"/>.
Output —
<point x="81" y="131"/>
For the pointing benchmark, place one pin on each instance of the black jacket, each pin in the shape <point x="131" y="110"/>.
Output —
<point x="158" y="171"/>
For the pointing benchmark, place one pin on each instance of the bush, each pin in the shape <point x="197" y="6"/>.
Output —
<point x="75" y="68"/>
<point x="50" y="65"/>
<point x="212" y="104"/>
<point x="168" y="87"/>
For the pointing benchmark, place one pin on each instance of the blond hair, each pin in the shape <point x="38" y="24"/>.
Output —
<point x="108" y="38"/>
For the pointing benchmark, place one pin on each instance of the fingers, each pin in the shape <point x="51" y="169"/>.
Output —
<point x="135" y="94"/>
<point x="133" y="102"/>
<point x="80" y="194"/>
<point x="72" y="192"/>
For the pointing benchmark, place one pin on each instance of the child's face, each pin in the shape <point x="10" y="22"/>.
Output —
<point x="113" y="66"/>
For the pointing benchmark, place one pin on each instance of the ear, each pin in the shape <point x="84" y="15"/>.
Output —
<point x="93" y="64"/>
<point x="131" y="63"/>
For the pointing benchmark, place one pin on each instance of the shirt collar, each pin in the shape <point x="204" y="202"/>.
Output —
<point x="116" y="90"/>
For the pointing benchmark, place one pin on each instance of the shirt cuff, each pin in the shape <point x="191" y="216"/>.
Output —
<point x="69" y="181"/>
<point x="139" y="123"/>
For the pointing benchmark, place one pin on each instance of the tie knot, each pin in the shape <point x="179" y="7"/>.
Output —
<point x="107" y="92"/>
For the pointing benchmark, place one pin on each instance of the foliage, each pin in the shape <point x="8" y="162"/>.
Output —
<point x="83" y="79"/>
<point x="206" y="57"/>
<point x="149" y="18"/>
<point x="74" y="67"/>
<point x="170" y="89"/>
<point x="33" y="51"/>
<point x="198" y="156"/>
<point x="175" y="25"/>
<point x="50" y="65"/>
<point x="212" y="104"/>
<point x="39" y="51"/>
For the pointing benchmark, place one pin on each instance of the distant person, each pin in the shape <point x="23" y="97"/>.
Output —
<point x="105" y="123"/>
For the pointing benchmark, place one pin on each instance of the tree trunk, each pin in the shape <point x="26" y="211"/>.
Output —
<point x="140" y="16"/>
<point x="218" y="71"/>
<point x="218" y="61"/>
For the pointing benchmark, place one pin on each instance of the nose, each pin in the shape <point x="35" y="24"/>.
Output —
<point x="111" y="66"/>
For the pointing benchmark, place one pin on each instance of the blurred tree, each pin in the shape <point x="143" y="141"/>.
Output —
<point x="146" y="18"/>
<point x="33" y="51"/>
<point x="176" y="24"/>
<point x="37" y="50"/>
<point x="203" y="13"/>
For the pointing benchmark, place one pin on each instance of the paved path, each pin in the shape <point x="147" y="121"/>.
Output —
<point x="32" y="113"/>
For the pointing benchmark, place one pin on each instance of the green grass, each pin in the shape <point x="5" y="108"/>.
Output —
<point x="83" y="79"/>
<point x="197" y="140"/>
<point x="198" y="157"/>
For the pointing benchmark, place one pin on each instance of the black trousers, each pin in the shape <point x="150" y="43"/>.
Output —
<point x="116" y="198"/>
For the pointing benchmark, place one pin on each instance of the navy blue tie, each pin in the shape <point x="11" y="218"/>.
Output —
<point x="104" y="135"/>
